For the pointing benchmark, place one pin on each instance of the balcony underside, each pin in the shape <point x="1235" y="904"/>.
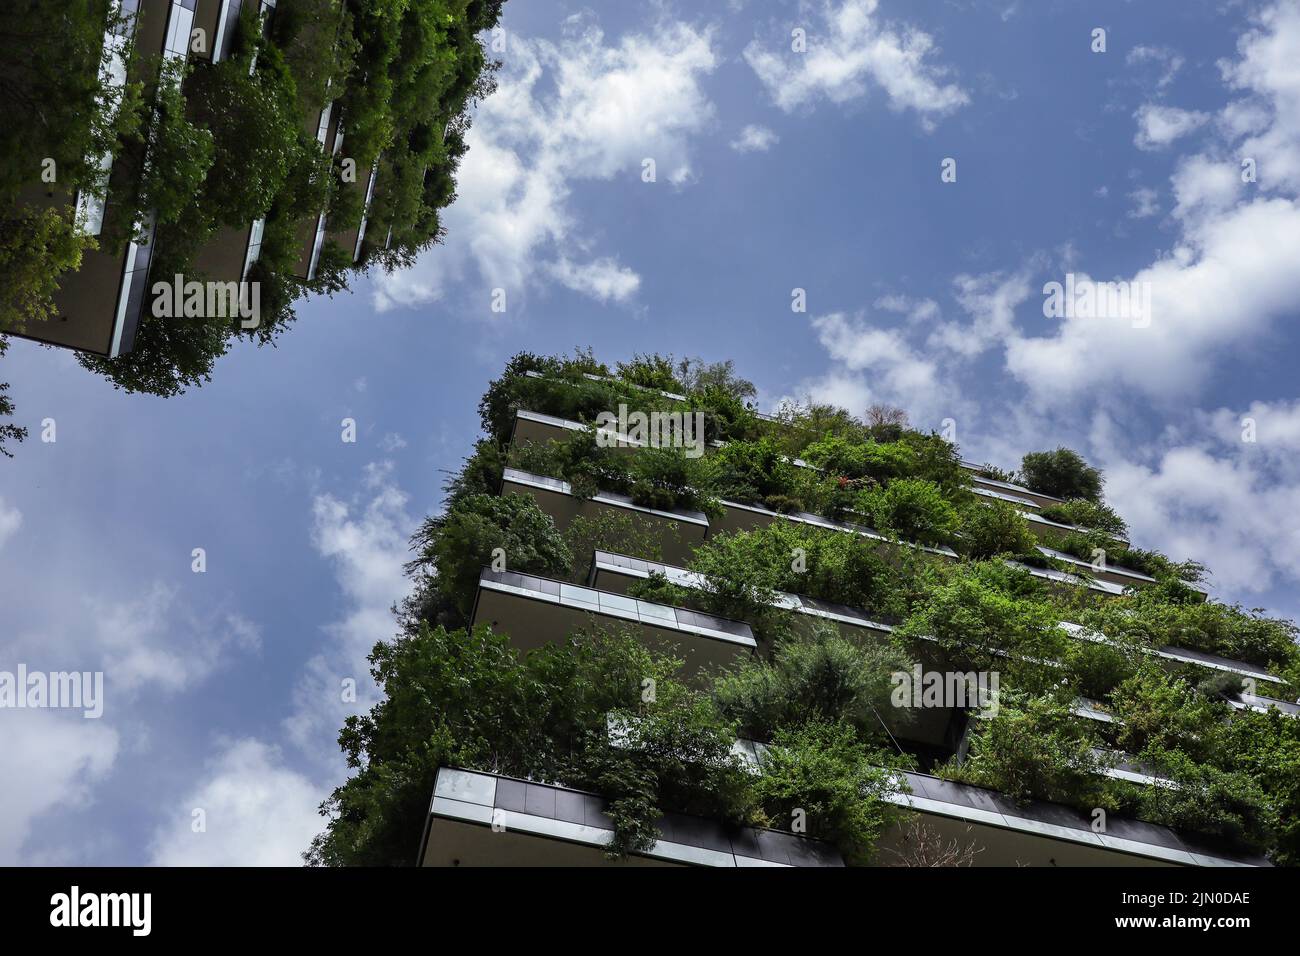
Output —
<point x="478" y="819"/>
<point x="1047" y="834"/>
<point x="536" y="611"/>
<point x="677" y="534"/>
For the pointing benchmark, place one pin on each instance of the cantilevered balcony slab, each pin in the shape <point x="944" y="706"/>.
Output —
<point x="615" y="572"/>
<point x="1112" y="573"/>
<point x="1054" y="532"/>
<point x="1182" y="655"/>
<point x="1007" y="487"/>
<point x="1009" y="497"/>
<point x="678" y="532"/>
<point x="1047" y="834"/>
<point x="1064" y="580"/>
<point x="535" y="611"/>
<point x="479" y="819"/>
<point x="738" y="517"/>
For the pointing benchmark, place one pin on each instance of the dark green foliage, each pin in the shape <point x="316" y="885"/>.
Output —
<point x="992" y="529"/>
<point x="818" y="676"/>
<point x="815" y="695"/>
<point x="821" y="775"/>
<point x="8" y="430"/>
<point x="912" y="508"/>
<point x="453" y="549"/>
<point x="1035" y="748"/>
<point x="1061" y="473"/>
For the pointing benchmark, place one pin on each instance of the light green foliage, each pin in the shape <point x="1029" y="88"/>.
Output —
<point x="977" y="611"/>
<point x="651" y="371"/>
<point x="1092" y="515"/>
<point x="913" y="509"/>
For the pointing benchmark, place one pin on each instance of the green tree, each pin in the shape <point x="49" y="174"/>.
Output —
<point x="8" y="430"/>
<point x="1061" y="473"/>
<point x="454" y="548"/>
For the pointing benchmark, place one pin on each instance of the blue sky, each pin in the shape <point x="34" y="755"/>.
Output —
<point x="774" y="170"/>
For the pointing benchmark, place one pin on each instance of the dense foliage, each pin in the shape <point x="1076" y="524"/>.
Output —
<point x="207" y="147"/>
<point x="818" y="694"/>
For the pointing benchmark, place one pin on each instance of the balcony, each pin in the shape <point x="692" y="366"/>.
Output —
<point x="1048" y="834"/>
<point x="678" y="532"/>
<point x="480" y="819"/>
<point x="1037" y="498"/>
<point x="536" y="611"/>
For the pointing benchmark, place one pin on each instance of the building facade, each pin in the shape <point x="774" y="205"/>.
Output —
<point x="948" y="751"/>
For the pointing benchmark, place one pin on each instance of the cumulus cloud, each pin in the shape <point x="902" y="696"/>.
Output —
<point x="872" y="365"/>
<point x="135" y="641"/>
<point x="990" y="300"/>
<point x="850" y="48"/>
<point x="1158" y="126"/>
<point x="602" y="279"/>
<point x="1217" y="505"/>
<point x="365" y="540"/>
<point x="583" y="109"/>
<point x="1230" y="275"/>
<point x="755" y="139"/>
<point x="914" y="309"/>
<point x="49" y="760"/>
<point x="254" y="812"/>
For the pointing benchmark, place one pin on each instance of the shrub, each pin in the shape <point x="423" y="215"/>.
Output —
<point x="1087" y="514"/>
<point x="914" y="509"/>
<point x="976" y="612"/>
<point x="1157" y="711"/>
<point x="1061" y="473"/>
<point x="1034" y="748"/>
<point x="454" y="548"/>
<point x="1204" y="799"/>
<point x="812" y="677"/>
<point x="749" y="471"/>
<point x="609" y="531"/>
<point x="996" y="528"/>
<point x="651" y="371"/>
<point x="469" y="699"/>
<point x="821" y="774"/>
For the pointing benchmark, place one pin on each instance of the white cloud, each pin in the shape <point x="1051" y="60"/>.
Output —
<point x="1166" y="60"/>
<point x="391" y="442"/>
<point x="49" y="760"/>
<point x="915" y="310"/>
<point x="11" y="519"/>
<point x="874" y="365"/>
<point x="990" y="300"/>
<point x="850" y="48"/>
<point x="1144" y="203"/>
<point x="1158" y="126"/>
<point x="583" y="109"/>
<point x="256" y="812"/>
<point x="1230" y="275"/>
<point x="1217" y="506"/>
<point x="755" y="139"/>
<point x="601" y="279"/>
<point x="366" y="542"/>
<point x="1221" y="287"/>
<point x="136" y="642"/>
